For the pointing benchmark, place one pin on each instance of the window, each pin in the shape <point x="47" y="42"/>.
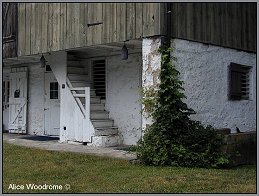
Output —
<point x="53" y="90"/>
<point x="48" y="68"/>
<point x="99" y="78"/>
<point x="239" y="85"/>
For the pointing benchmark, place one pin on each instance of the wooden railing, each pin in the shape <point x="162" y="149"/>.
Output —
<point x="87" y="126"/>
<point x="84" y="107"/>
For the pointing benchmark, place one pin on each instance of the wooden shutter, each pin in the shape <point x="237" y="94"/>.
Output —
<point x="236" y="72"/>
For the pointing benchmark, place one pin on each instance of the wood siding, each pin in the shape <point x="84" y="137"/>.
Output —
<point x="231" y="25"/>
<point x="46" y="27"/>
<point x="9" y="15"/>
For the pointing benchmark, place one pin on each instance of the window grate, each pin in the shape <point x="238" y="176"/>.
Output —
<point x="239" y="81"/>
<point x="99" y="78"/>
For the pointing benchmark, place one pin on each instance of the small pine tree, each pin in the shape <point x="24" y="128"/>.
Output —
<point x="173" y="138"/>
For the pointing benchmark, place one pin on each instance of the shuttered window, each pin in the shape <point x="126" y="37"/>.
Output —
<point x="239" y="84"/>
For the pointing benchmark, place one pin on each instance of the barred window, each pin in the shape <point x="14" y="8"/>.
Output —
<point x="239" y="84"/>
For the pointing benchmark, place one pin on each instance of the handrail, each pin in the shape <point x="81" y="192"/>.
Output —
<point x="79" y="103"/>
<point x="84" y="107"/>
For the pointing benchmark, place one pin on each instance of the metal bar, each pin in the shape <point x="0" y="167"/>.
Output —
<point x="93" y="24"/>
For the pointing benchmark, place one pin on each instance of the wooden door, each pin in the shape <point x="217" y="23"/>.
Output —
<point x="52" y="105"/>
<point x="18" y="100"/>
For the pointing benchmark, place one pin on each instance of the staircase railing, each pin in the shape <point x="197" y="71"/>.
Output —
<point x="84" y="107"/>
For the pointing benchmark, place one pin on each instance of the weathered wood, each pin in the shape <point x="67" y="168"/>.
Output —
<point x="10" y="29"/>
<point x="38" y="8"/>
<point x="157" y="19"/>
<point x="82" y="26"/>
<point x="139" y="20"/>
<point x="85" y="20"/>
<point x="28" y="28"/>
<point x="121" y="21"/>
<point x="44" y="28"/>
<point x="222" y="23"/>
<point x="56" y="26"/>
<point x="33" y="28"/>
<point x="98" y="19"/>
<point x="182" y="16"/>
<point x="106" y="23"/>
<point x="238" y="25"/>
<point x="226" y="24"/>
<point x="189" y="23"/>
<point x="114" y="23"/>
<point x="90" y="20"/>
<point x="252" y="25"/>
<point x="21" y="28"/>
<point x="216" y="25"/>
<point x="145" y="19"/>
<point x="50" y="27"/>
<point x="130" y="21"/>
<point x="62" y="39"/>
<point x="75" y="27"/>
<point x="68" y="26"/>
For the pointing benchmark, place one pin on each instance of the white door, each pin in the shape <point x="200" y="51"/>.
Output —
<point x="18" y="100"/>
<point x="52" y="105"/>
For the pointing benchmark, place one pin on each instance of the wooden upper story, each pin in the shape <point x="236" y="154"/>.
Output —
<point x="44" y="27"/>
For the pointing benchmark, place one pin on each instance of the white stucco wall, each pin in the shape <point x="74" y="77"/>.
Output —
<point x="35" y="100"/>
<point x="204" y="70"/>
<point x="123" y="95"/>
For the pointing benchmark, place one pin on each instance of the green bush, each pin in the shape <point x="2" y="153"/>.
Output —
<point x="173" y="138"/>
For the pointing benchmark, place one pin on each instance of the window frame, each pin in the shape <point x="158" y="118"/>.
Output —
<point x="51" y="90"/>
<point x="237" y="82"/>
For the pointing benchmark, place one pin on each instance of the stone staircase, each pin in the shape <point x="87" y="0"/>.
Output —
<point x="106" y="134"/>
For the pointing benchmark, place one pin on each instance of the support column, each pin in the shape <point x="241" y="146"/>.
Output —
<point x="151" y="67"/>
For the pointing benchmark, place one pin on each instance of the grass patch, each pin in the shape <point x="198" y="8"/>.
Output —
<point x="91" y="174"/>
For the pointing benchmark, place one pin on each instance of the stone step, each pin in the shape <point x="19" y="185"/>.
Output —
<point x="106" y="141"/>
<point x="95" y="99"/>
<point x="76" y="70"/>
<point x="99" y="115"/>
<point x="97" y="107"/>
<point x="102" y="123"/>
<point x="105" y="131"/>
<point x="77" y="76"/>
